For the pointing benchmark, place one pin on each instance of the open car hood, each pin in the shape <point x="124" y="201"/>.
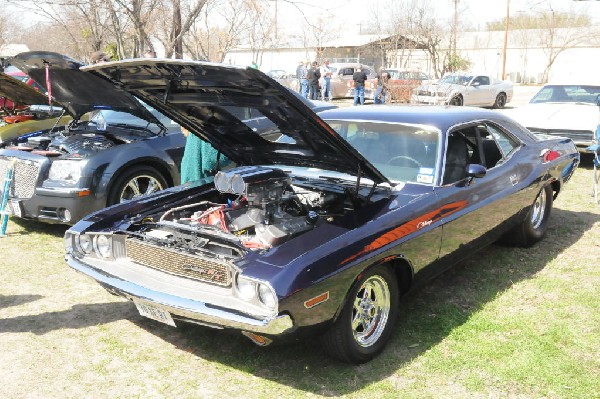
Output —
<point x="76" y="91"/>
<point x="20" y="93"/>
<point x="208" y="98"/>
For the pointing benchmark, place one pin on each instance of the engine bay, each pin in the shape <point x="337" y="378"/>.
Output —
<point x="79" y="139"/>
<point x="257" y="208"/>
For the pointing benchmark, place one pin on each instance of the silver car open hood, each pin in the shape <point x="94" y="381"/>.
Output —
<point x="204" y="97"/>
<point x="20" y="93"/>
<point x="76" y="91"/>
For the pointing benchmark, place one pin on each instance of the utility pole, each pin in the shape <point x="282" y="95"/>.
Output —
<point x="454" y="23"/>
<point x="505" y="40"/>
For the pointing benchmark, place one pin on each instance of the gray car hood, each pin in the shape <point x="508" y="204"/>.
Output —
<point x="76" y="91"/>
<point x="20" y="93"/>
<point x="202" y="96"/>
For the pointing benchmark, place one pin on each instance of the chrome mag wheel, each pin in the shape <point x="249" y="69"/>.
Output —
<point x="370" y="311"/>
<point x="538" y="210"/>
<point x="139" y="186"/>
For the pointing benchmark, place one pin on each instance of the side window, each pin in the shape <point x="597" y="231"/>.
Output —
<point x="506" y="143"/>
<point x="482" y="80"/>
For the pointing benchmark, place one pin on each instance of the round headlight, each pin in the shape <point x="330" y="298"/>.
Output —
<point x="84" y="243"/>
<point x="103" y="246"/>
<point x="246" y="288"/>
<point x="267" y="296"/>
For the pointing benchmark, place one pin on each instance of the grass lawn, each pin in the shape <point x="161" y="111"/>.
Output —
<point x="507" y="323"/>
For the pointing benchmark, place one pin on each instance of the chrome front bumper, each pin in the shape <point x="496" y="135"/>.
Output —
<point x="184" y="308"/>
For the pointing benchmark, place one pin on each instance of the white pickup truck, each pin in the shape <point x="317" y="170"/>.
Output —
<point x="465" y="89"/>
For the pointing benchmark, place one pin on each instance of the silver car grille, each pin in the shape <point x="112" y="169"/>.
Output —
<point x="25" y="176"/>
<point x="178" y="263"/>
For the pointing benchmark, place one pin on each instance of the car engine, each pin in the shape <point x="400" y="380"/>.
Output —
<point x="76" y="140"/>
<point x="260" y="208"/>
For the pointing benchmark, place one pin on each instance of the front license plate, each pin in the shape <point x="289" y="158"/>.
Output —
<point x="15" y="208"/>
<point x="155" y="313"/>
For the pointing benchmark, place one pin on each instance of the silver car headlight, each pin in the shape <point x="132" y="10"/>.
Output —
<point x="83" y="242"/>
<point x="267" y="296"/>
<point x="246" y="288"/>
<point x="103" y="246"/>
<point x="66" y="170"/>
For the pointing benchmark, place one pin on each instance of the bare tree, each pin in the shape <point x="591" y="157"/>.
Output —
<point x="220" y="27"/>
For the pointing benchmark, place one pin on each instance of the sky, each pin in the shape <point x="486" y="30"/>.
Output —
<point x="477" y="11"/>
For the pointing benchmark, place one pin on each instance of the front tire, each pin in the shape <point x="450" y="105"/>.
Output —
<point x="456" y="100"/>
<point x="367" y="319"/>
<point x="138" y="182"/>
<point x="533" y="228"/>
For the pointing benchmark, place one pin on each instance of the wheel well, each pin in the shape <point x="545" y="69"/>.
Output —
<point x="556" y="188"/>
<point x="404" y="273"/>
<point x="160" y="168"/>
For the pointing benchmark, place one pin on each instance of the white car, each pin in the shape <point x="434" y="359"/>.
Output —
<point x="570" y="110"/>
<point x="464" y="89"/>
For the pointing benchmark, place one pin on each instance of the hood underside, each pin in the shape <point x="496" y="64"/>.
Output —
<point x="209" y="100"/>
<point x="74" y="90"/>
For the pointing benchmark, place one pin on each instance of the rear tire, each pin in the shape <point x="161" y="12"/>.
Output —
<point x="137" y="182"/>
<point x="367" y="319"/>
<point x="533" y="228"/>
<point x="500" y="100"/>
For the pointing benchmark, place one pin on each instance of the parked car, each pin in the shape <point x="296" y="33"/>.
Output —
<point x="570" y="110"/>
<point x="10" y="102"/>
<point x="400" y="85"/>
<point x="287" y="79"/>
<point x="114" y="149"/>
<point x="321" y="233"/>
<point x="465" y="89"/>
<point x="342" y="84"/>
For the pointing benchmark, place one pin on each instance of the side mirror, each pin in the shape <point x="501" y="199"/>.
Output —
<point x="475" y="84"/>
<point x="476" y="170"/>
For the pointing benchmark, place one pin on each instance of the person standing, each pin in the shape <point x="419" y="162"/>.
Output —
<point x="382" y="87"/>
<point x="200" y="159"/>
<point x="303" y="75"/>
<point x="298" y="72"/>
<point x="314" y="74"/>
<point x="326" y="87"/>
<point x="359" y="78"/>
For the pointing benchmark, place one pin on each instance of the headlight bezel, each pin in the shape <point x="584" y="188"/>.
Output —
<point x="255" y="291"/>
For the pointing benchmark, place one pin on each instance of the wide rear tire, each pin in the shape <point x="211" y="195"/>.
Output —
<point x="366" y="322"/>
<point x="533" y="228"/>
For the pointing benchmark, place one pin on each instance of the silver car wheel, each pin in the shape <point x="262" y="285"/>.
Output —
<point x="539" y="209"/>
<point x="370" y="311"/>
<point x="140" y="186"/>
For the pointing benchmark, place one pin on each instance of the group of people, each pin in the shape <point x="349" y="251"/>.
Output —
<point x="360" y="77"/>
<point x="311" y="76"/>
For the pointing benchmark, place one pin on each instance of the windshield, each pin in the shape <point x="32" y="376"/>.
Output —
<point x="104" y="118"/>
<point x="401" y="152"/>
<point x="456" y="79"/>
<point x="567" y="94"/>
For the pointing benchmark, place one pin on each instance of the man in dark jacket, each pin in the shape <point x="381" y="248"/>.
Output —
<point x="314" y="74"/>
<point x="359" y="78"/>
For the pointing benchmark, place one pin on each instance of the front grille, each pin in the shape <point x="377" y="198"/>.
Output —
<point x="25" y="176"/>
<point x="178" y="263"/>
